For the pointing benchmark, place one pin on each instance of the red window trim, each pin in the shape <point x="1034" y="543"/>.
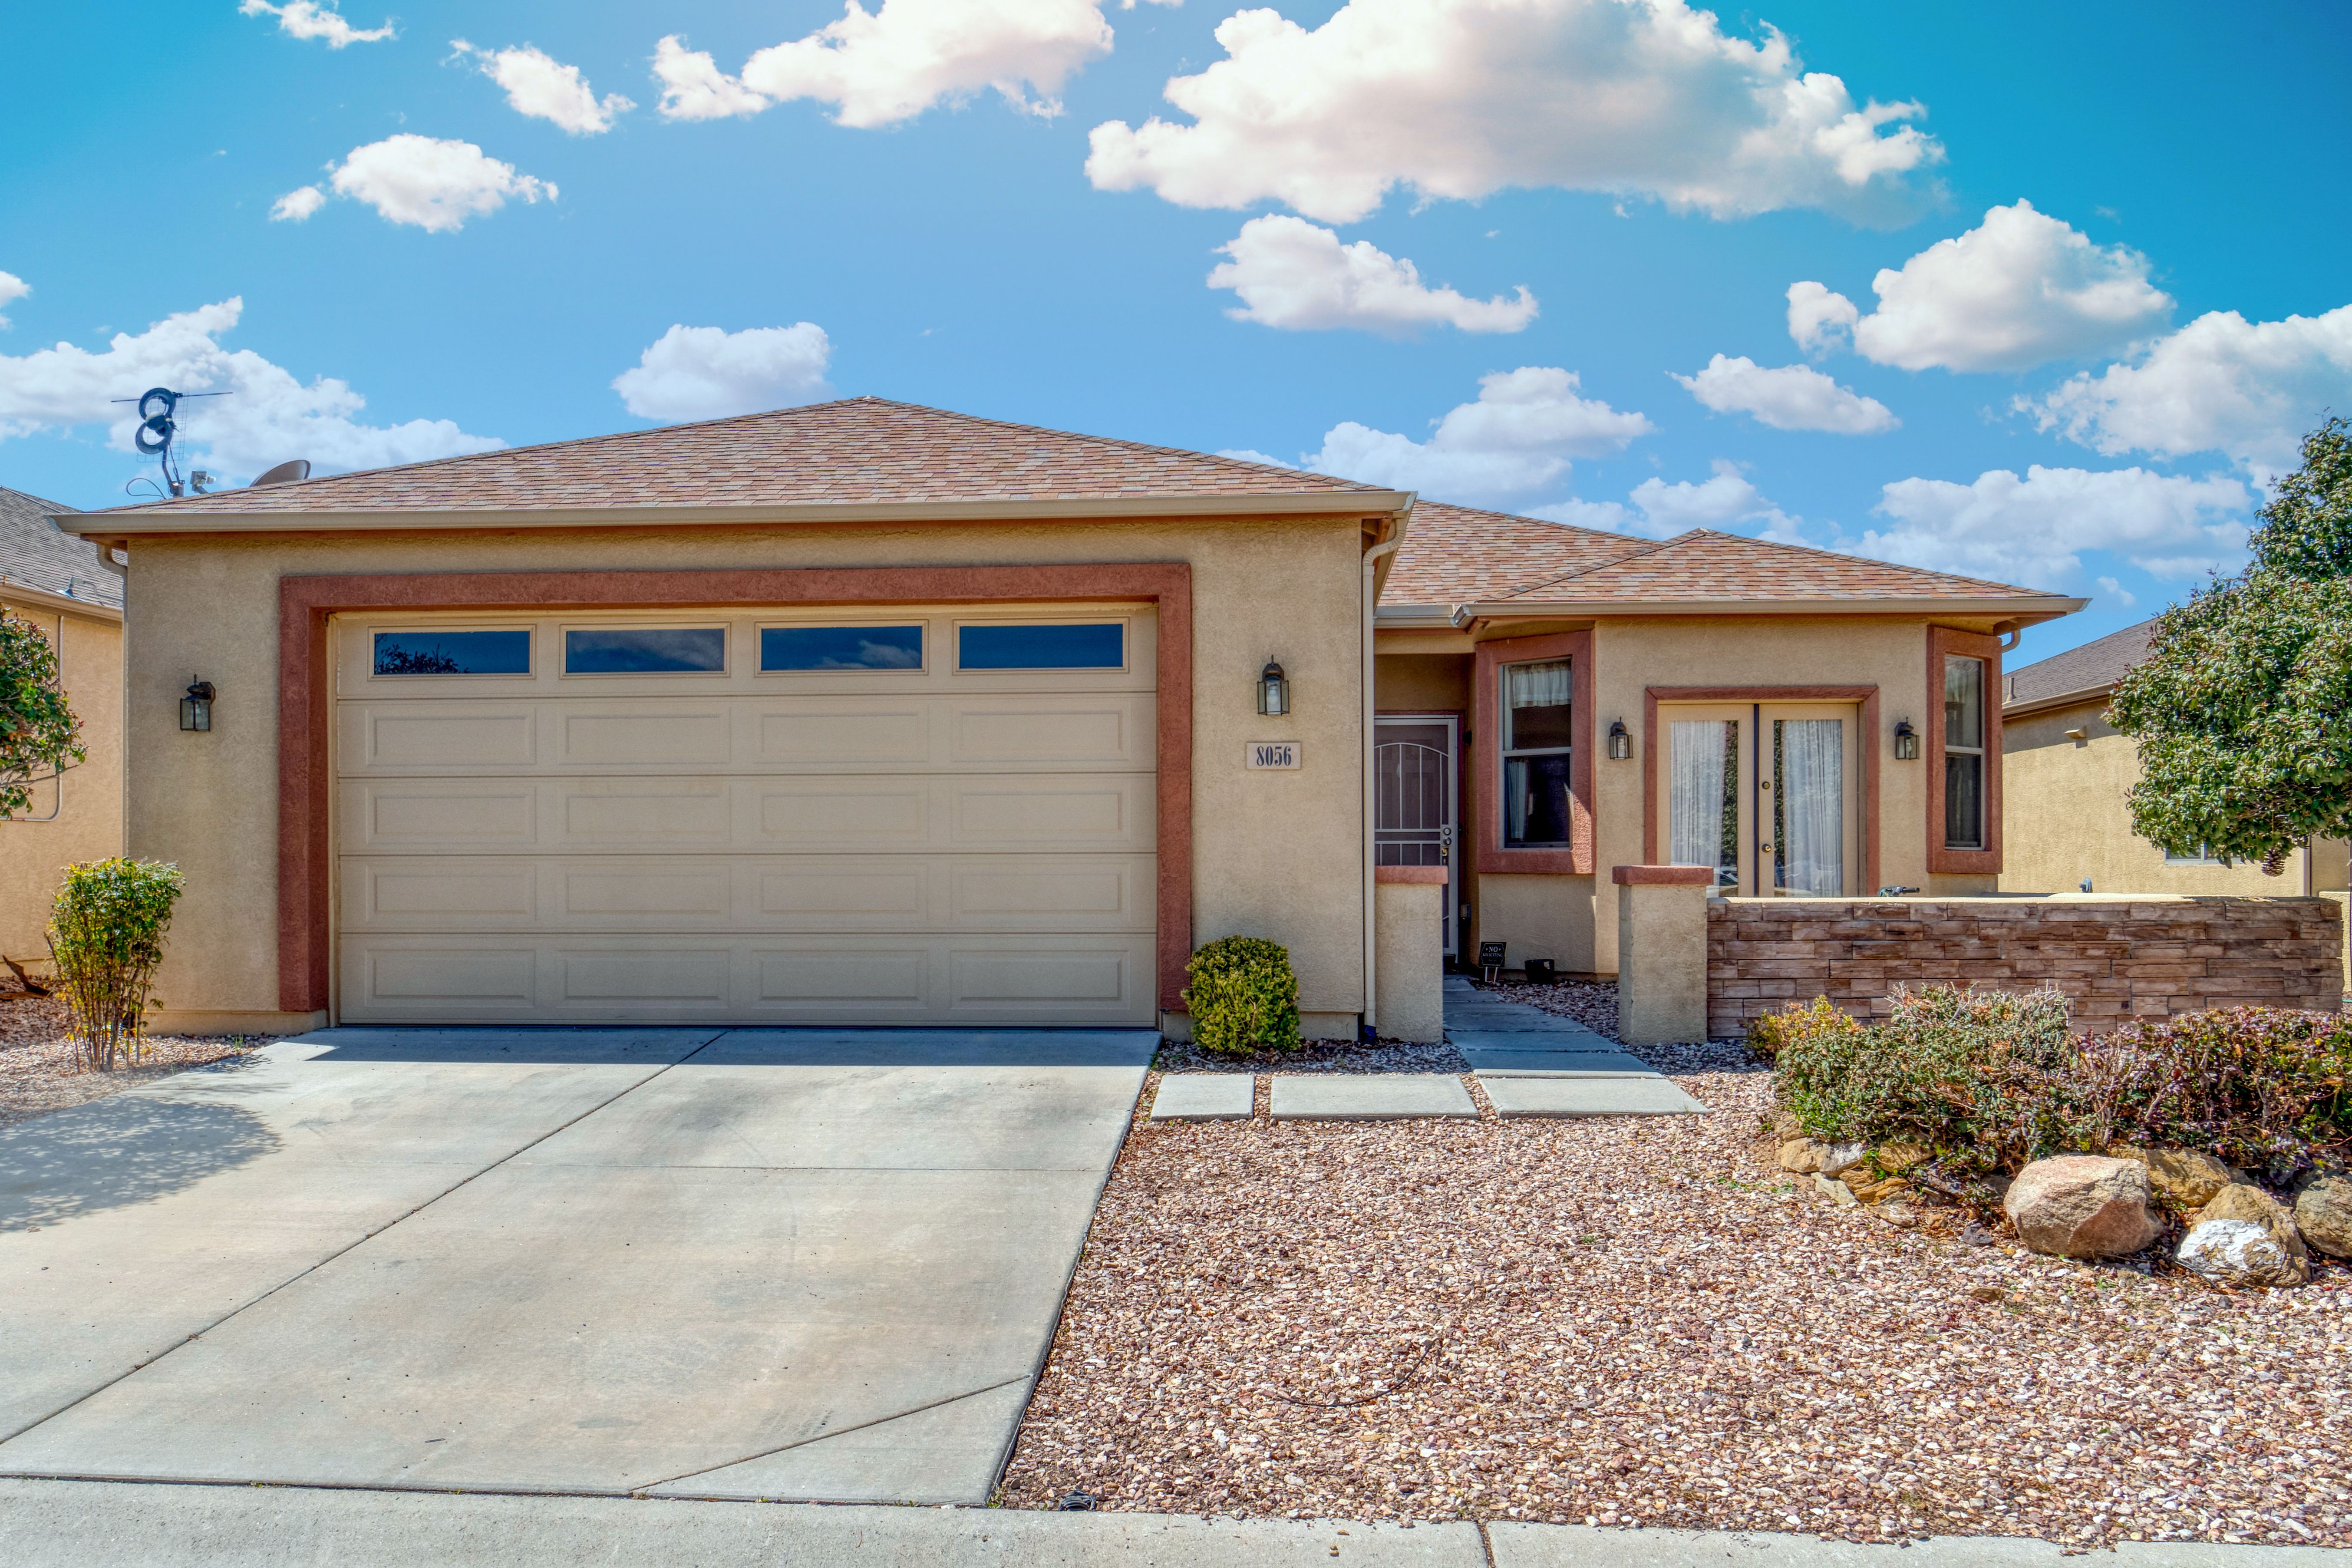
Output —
<point x="1487" y="747"/>
<point x="1942" y="640"/>
<point x="1870" y="739"/>
<point x="306" y="682"/>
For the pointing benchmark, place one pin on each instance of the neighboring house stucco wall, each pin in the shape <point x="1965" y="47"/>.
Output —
<point x="1276" y="854"/>
<point x="85" y="824"/>
<point x="2066" y="815"/>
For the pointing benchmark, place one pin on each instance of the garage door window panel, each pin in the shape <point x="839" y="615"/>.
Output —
<point x="502" y="652"/>
<point x="1009" y="645"/>
<point x="644" y="650"/>
<point x="834" y="650"/>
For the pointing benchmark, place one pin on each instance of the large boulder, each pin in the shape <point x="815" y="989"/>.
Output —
<point x="2251" y="1204"/>
<point x="2081" y="1205"/>
<point x="2183" y="1178"/>
<point x="2322" y="1213"/>
<point x="2241" y="1254"/>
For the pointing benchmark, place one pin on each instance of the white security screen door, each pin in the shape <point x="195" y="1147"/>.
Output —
<point x="1413" y="768"/>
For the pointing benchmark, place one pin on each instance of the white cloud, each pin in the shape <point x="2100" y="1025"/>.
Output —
<point x="436" y="186"/>
<point x="1518" y="437"/>
<point x="1246" y="455"/>
<point x="309" y="19"/>
<point x="1657" y="509"/>
<point x="2116" y="591"/>
<point x="543" y="88"/>
<point x="296" y="204"/>
<point x="704" y="372"/>
<point x="694" y="88"/>
<point x="1794" y="397"/>
<point x="1460" y="99"/>
<point x="2221" y="384"/>
<point x="2017" y="290"/>
<point x="12" y="289"/>
<point x="266" y="417"/>
<point x="2035" y="530"/>
<point x="1291" y="274"/>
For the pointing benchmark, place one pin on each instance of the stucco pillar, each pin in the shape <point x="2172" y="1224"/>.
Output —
<point x="1661" y="953"/>
<point x="1408" y="920"/>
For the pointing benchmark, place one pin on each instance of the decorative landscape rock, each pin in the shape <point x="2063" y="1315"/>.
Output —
<point x="2240" y="1253"/>
<point x="2239" y="1201"/>
<point x="1806" y="1157"/>
<point x="1897" y="1158"/>
<point x="2183" y="1177"/>
<point x="2323" y="1213"/>
<point x="2081" y="1205"/>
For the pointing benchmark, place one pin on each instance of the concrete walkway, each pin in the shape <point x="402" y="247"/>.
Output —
<point x="1534" y="1063"/>
<point x="789" y="1263"/>
<point x="73" y="1524"/>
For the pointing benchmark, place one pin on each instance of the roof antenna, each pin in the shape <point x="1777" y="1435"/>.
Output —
<point x="153" y="436"/>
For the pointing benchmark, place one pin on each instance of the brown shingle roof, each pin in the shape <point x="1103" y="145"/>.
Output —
<point x="2092" y="667"/>
<point x="35" y="553"/>
<point x="1458" y="555"/>
<point x="858" y="451"/>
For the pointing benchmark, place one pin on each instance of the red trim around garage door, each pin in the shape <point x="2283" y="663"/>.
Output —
<point x="305" y="682"/>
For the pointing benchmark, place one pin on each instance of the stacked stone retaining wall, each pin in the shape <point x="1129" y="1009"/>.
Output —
<point x="2115" y="959"/>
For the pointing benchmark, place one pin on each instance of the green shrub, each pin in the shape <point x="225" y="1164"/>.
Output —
<point x="1769" y="1035"/>
<point x="1242" y="996"/>
<point x="2254" y="1087"/>
<point x="1975" y="1075"/>
<point x="106" y="936"/>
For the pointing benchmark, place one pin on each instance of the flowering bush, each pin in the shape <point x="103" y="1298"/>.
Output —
<point x="1242" y="996"/>
<point x="1769" y="1035"/>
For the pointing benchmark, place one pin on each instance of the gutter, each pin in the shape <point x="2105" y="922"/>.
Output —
<point x="12" y="592"/>
<point x="2057" y="699"/>
<point x="166" y="518"/>
<point x="2025" y="611"/>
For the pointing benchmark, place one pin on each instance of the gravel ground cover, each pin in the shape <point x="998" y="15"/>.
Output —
<point x="41" y="1071"/>
<point x="1644" y="1322"/>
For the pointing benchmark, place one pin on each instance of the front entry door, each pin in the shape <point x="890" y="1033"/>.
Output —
<point x="1767" y="794"/>
<point x="1414" y="769"/>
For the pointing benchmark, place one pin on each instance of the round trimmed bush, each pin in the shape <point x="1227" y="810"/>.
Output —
<point x="1242" y="996"/>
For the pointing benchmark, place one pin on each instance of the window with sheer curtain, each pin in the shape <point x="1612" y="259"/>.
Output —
<point x="1702" y="795"/>
<point x="1963" y="755"/>
<point x="1538" y="699"/>
<point x="1809" y="806"/>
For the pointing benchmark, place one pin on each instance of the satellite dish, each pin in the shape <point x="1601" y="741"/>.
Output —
<point x="284" y="473"/>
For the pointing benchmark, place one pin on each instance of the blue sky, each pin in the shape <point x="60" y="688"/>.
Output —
<point x="2085" y="394"/>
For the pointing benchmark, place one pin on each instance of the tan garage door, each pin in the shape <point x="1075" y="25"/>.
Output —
<point x="928" y="816"/>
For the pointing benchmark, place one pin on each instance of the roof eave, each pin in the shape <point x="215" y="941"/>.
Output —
<point x="132" y="522"/>
<point x="2056" y="699"/>
<point x="15" y="593"/>
<point x="2023" y="611"/>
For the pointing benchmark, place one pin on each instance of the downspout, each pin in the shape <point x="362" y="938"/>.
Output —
<point x="1391" y="538"/>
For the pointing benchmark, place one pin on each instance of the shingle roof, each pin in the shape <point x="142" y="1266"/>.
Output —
<point x="858" y="451"/>
<point x="33" y="552"/>
<point x="2092" y="667"/>
<point x="1458" y="555"/>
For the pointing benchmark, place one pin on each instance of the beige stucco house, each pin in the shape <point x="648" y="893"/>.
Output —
<point x="868" y="713"/>
<point x="63" y="585"/>
<point x="2067" y="815"/>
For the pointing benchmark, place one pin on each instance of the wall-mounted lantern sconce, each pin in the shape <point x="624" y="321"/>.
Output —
<point x="1272" y="690"/>
<point x="1906" y="742"/>
<point x="1621" y="744"/>
<point x="196" y="707"/>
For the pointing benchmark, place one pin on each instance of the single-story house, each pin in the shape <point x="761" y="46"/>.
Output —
<point x="62" y="584"/>
<point x="870" y="713"/>
<point x="2067" y="813"/>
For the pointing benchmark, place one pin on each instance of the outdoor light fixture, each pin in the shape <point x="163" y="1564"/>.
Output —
<point x="1906" y="742"/>
<point x="196" y="707"/>
<point x="1272" y="690"/>
<point x="1621" y="745"/>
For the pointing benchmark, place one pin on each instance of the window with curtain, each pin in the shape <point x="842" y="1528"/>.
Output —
<point x="1536" y="751"/>
<point x="1809" y="807"/>
<point x="1703" y="798"/>
<point x="1964" y="753"/>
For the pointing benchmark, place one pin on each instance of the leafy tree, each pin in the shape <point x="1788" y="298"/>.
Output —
<point x="39" y="735"/>
<point x="2243" y="706"/>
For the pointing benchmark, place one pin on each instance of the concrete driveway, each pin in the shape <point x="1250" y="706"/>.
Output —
<point x="782" y="1263"/>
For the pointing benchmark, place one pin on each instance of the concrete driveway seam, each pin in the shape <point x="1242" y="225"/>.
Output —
<point x="644" y="1487"/>
<point x="89" y="1393"/>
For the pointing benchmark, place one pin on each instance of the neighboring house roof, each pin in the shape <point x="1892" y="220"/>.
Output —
<point x="860" y="452"/>
<point x="1458" y="556"/>
<point x="35" y="553"/>
<point x="2078" y="675"/>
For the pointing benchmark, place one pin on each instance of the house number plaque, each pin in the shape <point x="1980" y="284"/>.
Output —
<point x="1272" y="755"/>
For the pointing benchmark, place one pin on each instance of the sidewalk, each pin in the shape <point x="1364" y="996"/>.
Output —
<point x="74" y="1524"/>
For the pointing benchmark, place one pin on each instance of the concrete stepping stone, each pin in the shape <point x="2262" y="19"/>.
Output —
<point x="1369" y="1097"/>
<point x="1555" y="1096"/>
<point x="1479" y="1038"/>
<point x="1503" y="1020"/>
<point x="1485" y="1061"/>
<point x="1204" y="1097"/>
